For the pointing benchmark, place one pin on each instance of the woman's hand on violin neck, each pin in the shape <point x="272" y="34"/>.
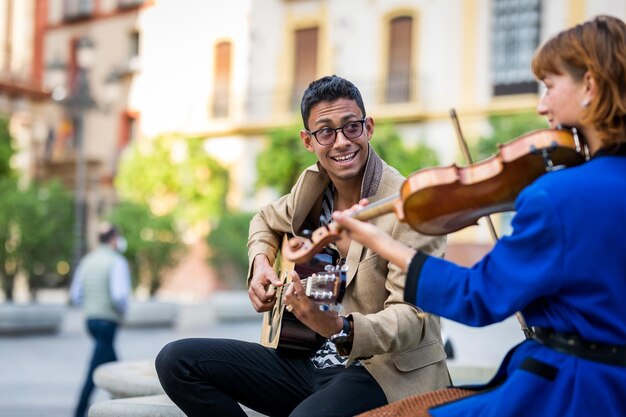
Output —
<point x="372" y="237"/>
<point x="363" y="232"/>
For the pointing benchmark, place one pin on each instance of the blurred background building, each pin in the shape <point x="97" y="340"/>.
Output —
<point x="229" y="72"/>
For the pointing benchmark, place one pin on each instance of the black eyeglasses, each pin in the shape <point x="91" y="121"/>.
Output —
<point x="326" y="136"/>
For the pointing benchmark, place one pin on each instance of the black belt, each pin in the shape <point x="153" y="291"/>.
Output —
<point x="577" y="346"/>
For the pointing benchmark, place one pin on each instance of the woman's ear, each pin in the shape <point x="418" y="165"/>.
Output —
<point x="591" y="87"/>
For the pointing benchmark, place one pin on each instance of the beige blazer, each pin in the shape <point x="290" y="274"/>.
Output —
<point x="400" y="349"/>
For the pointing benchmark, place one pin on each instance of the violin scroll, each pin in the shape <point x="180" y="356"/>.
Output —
<point x="301" y="249"/>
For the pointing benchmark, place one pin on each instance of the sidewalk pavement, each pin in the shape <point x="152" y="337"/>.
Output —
<point x="41" y="375"/>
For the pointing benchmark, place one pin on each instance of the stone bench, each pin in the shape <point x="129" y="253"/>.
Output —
<point x="220" y="307"/>
<point x="135" y="391"/>
<point x="151" y="313"/>
<point x="148" y="406"/>
<point x="128" y="379"/>
<point x="231" y="306"/>
<point x="31" y="318"/>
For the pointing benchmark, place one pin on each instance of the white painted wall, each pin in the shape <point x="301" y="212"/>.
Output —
<point x="174" y="88"/>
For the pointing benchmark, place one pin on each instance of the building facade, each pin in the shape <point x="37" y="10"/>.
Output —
<point x="22" y="96"/>
<point x="230" y="71"/>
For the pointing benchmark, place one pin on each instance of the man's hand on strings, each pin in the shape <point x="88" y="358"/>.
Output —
<point x="262" y="289"/>
<point x="295" y="300"/>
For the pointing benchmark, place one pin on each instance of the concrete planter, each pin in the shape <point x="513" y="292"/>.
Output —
<point x="31" y="318"/>
<point x="149" y="406"/>
<point x="128" y="379"/>
<point x="151" y="313"/>
<point x="136" y="392"/>
<point x="232" y="306"/>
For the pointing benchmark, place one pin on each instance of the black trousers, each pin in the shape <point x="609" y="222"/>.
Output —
<point x="209" y="377"/>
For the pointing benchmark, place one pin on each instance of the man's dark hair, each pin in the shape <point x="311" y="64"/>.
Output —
<point x="106" y="233"/>
<point x="328" y="88"/>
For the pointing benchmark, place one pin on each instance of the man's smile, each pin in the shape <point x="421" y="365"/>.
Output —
<point x="344" y="158"/>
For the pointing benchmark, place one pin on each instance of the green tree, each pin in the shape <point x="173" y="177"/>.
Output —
<point x="282" y="161"/>
<point x="8" y="236"/>
<point x="153" y="242"/>
<point x="35" y="234"/>
<point x="167" y="185"/>
<point x="6" y="148"/>
<point x="174" y="175"/>
<point x="45" y="245"/>
<point x="505" y="128"/>
<point x="390" y="147"/>
<point x="229" y="252"/>
<point x="7" y="206"/>
<point x="34" y="225"/>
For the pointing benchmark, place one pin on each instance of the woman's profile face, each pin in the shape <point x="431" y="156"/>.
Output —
<point x="563" y="100"/>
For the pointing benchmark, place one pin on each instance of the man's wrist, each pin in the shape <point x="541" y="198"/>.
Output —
<point x="339" y="326"/>
<point x="345" y="333"/>
<point x="260" y="257"/>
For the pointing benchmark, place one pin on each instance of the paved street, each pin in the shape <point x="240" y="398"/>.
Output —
<point x="40" y="376"/>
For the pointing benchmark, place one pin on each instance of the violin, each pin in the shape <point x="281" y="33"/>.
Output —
<point x="442" y="200"/>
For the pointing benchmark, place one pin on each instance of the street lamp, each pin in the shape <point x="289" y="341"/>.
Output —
<point x="77" y="103"/>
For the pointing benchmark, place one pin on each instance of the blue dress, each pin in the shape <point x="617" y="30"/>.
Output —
<point x="564" y="268"/>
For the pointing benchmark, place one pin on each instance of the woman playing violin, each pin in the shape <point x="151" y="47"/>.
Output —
<point x="564" y="265"/>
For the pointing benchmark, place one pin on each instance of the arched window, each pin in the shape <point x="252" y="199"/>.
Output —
<point x="515" y="36"/>
<point x="77" y="9"/>
<point x="305" y="63"/>
<point x="399" y="71"/>
<point x="221" y="87"/>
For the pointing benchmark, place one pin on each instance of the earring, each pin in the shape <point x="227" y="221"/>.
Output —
<point x="585" y="103"/>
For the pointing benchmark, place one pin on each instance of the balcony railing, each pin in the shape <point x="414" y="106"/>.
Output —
<point x="127" y="4"/>
<point x="78" y="9"/>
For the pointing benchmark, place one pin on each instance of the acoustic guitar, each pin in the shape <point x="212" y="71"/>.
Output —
<point x="324" y="282"/>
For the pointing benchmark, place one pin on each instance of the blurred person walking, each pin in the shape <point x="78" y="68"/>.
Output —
<point x="101" y="285"/>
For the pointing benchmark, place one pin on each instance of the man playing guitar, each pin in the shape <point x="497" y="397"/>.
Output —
<point x="372" y="353"/>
